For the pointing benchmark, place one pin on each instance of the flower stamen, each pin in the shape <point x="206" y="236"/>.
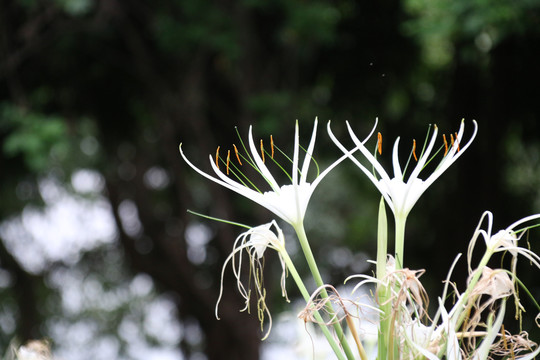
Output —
<point x="414" y="150"/>
<point x="272" y="145"/>
<point x="237" y="156"/>
<point x="262" y="151"/>
<point x="379" y="143"/>
<point x="457" y="142"/>
<point x="451" y="140"/>
<point x="228" y="159"/>
<point x="445" y="145"/>
<point x="217" y="157"/>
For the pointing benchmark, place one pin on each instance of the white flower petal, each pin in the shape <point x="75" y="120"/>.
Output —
<point x="288" y="201"/>
<point x="402" y="195"/>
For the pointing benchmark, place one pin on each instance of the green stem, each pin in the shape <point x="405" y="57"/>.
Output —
<point x="471" y="285"/>
<point x="400" y="240"/>
<point x="302" y="237"/>
<point x="382" y="291"/>
<point x="461" y="302"/>
<point x="292" y="270"/>
<point x="391" y="344"/>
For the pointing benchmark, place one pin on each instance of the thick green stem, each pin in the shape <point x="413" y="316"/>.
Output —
<point x="302" y="237"/>
<point x="400" y="240"/>
<point x="292" y="270"/>
<point x="382" y="241"/>
<point x="382" y="291"/>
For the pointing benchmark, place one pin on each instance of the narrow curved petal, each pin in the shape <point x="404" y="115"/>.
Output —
<point x="453" y="154"/>
<point x="395" y="161"/>
<point x="309" y="154"/>
<point x="425" y="156"/>
<point x="229" y="184"/>
<point x="260" y="163"/>
<point x="380" y="170"/>
<point x="380" y="186"/>
<point x="288" y="201"/>
<point x="347" y="153"/>
<point x="295" y="154"/>
<point x="402" y="195"/>
<point x="522" y="221"/>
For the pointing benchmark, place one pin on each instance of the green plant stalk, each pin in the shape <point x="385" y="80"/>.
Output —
<point x="400" y="239"/>
<point x="472" y="284"/>
<point x="382" y="241"/>
<point x="298" y="280"/>
<point x="470" y="287"/>
<point x="388" y="323"/>
<point x="382" y="291"/>
<point x="302" y="237"/>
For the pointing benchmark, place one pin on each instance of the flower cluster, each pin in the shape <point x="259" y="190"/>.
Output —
<point x="468" y="324"/>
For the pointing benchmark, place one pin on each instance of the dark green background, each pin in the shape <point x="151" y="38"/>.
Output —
<point x="146" y="75"/>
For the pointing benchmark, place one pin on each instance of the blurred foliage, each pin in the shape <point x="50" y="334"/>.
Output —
<point x="477" y="25"/>
<point x="36" y="137"/>
<point x="114" y="86"/>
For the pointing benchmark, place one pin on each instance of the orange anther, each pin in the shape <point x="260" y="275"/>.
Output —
<point x="414" y="149"/>
<point x="217" y="157"/>
<point x="379" y="143"/>
<point x="445" y="145"/>
<point x="272" y="145"/>
<point x="262" y="151"/>
<point x="452" y="140"/>
<point x="457" y="142"/>
<point x="228" y="159"/>
<point x="237" y="156"/>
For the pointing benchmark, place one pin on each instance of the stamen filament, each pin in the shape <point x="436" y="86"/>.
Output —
<point x="272" y="145"/>
<point x="217" y="157"/>
<point x="237" y="156"/>
<point x="445" y="145"/>
<point x="414" y="150"/>
<point x="262" y="151"/>
<point x="228" y="159"/>
<point x="379" y="143"/>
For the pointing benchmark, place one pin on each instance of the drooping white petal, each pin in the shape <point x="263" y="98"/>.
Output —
<point x="260" y="237"/>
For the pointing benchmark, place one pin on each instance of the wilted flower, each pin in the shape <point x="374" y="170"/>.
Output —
<point x="504" y="240"/>
<point x="34" y="350"/>
<point x="495" y="283"/>
<point x="254" y="243"/>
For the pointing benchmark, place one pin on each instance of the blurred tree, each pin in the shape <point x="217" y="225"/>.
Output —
<point x="137" y="78"/>
<point x="114" y="86"/>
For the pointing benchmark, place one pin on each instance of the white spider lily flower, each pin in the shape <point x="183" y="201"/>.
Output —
<point x="401" y="194"/>
<point x="254" y="243"/>
<point x="288" y="201"/>
<point x="504" y="240"/>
